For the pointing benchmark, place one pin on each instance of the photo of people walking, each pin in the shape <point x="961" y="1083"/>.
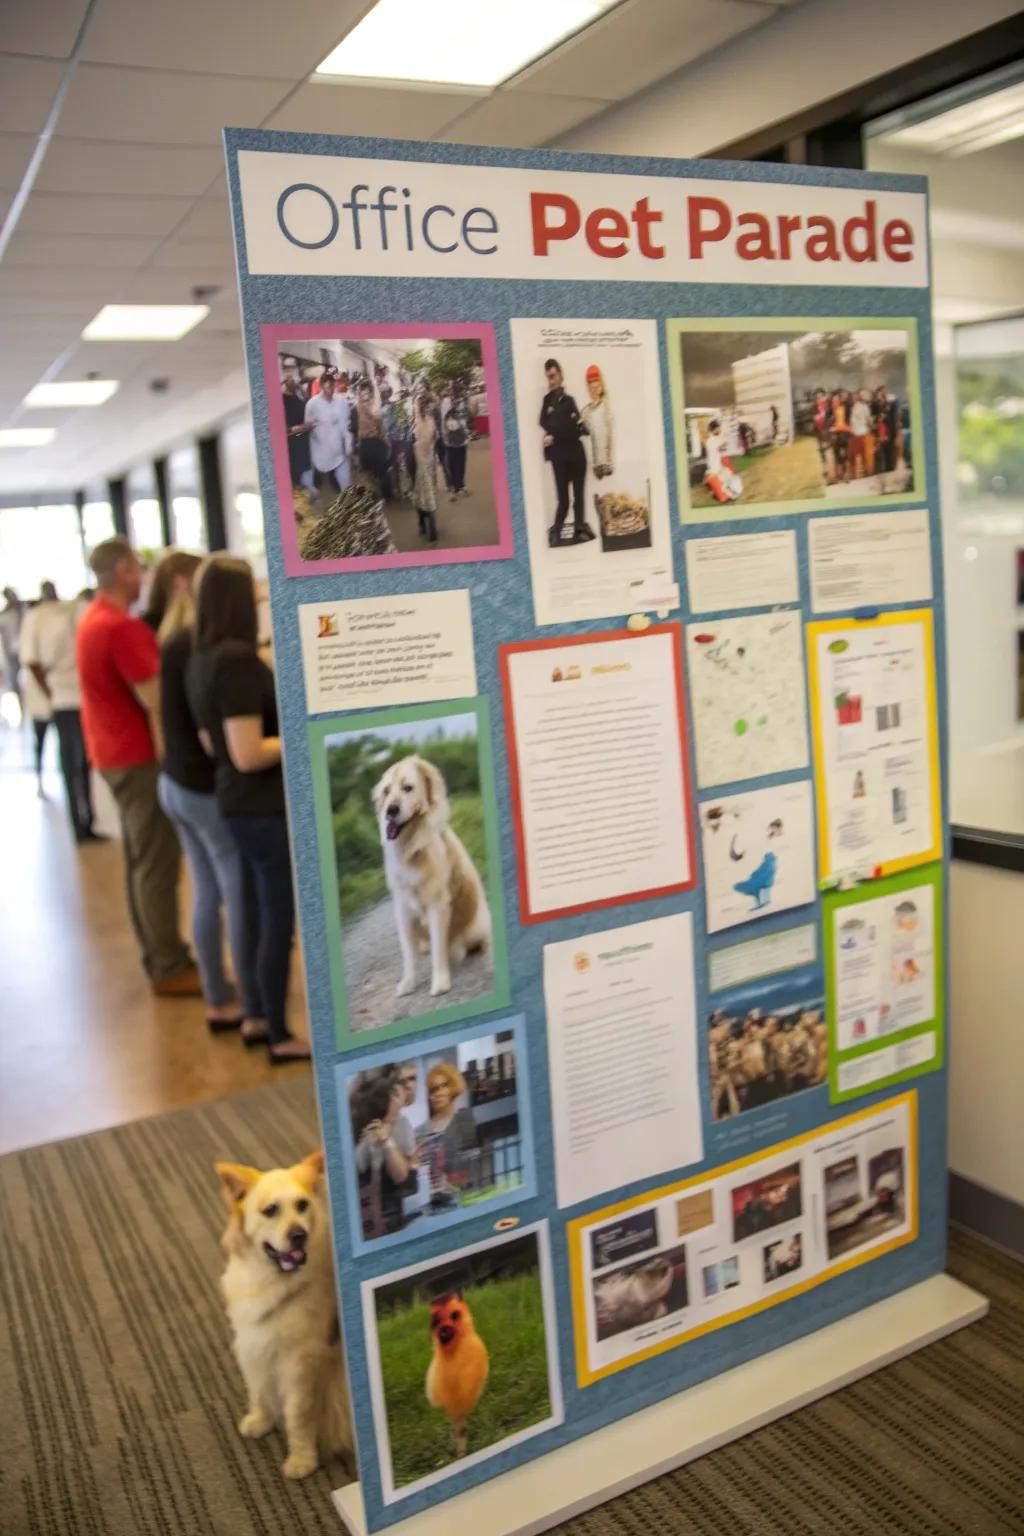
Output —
<point x="785" y="417"/>
<point x="390" y="445"/>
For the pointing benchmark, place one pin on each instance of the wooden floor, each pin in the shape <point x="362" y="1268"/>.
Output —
<point x="83" y="1043"/>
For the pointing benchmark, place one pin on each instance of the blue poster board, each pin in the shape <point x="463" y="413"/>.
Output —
<point x="660" y="432"/>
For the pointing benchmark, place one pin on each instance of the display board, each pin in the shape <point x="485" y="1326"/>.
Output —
<point x="603" y="546"/>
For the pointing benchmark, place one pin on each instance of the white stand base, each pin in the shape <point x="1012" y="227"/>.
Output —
<point x="609" y="1462"/>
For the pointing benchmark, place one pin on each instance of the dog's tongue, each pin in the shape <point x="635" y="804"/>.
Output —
<point x="393" y="831"/>
<point x="291" y="1260"/>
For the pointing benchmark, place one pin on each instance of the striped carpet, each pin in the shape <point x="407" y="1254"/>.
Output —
<point x="119" y="1394"/>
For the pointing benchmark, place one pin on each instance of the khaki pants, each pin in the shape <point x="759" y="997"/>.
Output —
<point x="152" y="860"/>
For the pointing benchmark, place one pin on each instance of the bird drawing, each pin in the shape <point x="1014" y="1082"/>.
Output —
<point x="457" y="1373"/>
<point x="759" y="885"/>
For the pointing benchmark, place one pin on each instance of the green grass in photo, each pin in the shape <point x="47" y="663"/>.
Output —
<point x="788" y="472"/>
<point x="509" y="1317"/>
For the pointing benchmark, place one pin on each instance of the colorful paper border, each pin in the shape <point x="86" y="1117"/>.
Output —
<point x="390" y="1494"/>
<point x="838" y="901"/>
<point x="576" y="1229"/>
<point x="351" y="1066"/>
<point x="332" y="725"/>
<point x="526" y="914"/>
<point x="737" y="511"/>
<point x="294" y="564"/>
<point x="816" y="627"/>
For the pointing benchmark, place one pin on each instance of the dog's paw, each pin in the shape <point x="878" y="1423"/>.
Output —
<point x="405" y="986"/>
<point x="255" y="1425"/>
<point x="440" y="984"/>
<point x="299" y="1464"/>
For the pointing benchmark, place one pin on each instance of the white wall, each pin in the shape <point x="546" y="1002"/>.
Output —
<point x="799" y="58"/>
<point x="986" y="1009"/>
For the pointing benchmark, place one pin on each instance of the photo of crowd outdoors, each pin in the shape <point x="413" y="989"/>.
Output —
<point x="791" y="416"/>
<point x="389" y="444"/>
<point x="435" y="1133"/>
<point x="758" y="1054"/>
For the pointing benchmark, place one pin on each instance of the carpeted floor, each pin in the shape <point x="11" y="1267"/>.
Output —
<point x="119" y="1394"/>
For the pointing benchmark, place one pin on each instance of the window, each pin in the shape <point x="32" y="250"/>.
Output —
<point x="970" y="145"/>
<point x="188" y="521"/>
<point x="40" y="544"/>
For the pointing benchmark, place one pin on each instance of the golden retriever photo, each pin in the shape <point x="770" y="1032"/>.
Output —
<point x="281" y="1302"/>
<point x="439" y="901"/>
<point x="412" y="870"/>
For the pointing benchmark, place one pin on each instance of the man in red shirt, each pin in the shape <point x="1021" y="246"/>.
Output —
<point x="119" y="671"/>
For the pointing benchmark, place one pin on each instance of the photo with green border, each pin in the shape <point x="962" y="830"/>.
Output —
<point x="834" y="905"/>
<point x="762" y="387"/>
<point x="349" y="754"/>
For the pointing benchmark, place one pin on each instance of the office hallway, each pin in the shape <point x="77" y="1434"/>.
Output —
<point x="85" y="1044"/>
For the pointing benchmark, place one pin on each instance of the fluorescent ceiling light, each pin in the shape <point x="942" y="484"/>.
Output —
<point x="26" y="437"/>
<point x="144" y="322"/>
<point x="963" y="127"/>
<point x="459" y="42"/>
<point x="64" y="392"/>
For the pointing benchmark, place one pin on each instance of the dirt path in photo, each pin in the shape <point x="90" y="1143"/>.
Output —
<point x="373" y="966"/>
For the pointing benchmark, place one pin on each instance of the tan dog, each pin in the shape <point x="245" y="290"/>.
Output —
<point x="438" y="895"/>
<point x="279" y="1288"/>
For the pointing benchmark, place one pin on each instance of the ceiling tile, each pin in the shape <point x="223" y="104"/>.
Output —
<point x="84" y="251"/>
<point x="334" y="106"/>
<point x="154" y="106"/>
<point x="208" y="254"/>
<point x="636" y="44"/>
<point x="15" y="151"/>
<point x="27" y="89"/>
<point x="52" y="213"/>
<point x="516" y="119"/>
<point x="55" y="282"/>
<point x="232" y="37"/>
<point x="206" y="220"/>
<point x="170" y="285"/>
<point x="46" y="27"/>
<point x="81" y="165"/>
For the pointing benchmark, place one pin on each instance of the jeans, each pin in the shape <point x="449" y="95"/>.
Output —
<point x="262" y="842"/>
<point x="152" y="863"/>
<point x="219" y="880"/>
<point x="74" y="766"/>
<point x="456" y="467"/>
<point x="569" y="476"/>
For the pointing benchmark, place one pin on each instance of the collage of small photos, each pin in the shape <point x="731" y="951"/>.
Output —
<point x="730" y="755"/>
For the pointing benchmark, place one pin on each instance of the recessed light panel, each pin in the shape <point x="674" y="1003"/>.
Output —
<point x="462" y="42"/>
<point x="144" y="322"/>
<point x="26" y="437"/>
<point x="64" y="392"/>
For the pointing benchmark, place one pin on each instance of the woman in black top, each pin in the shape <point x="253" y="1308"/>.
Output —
<point x="231" y="694"/>
<point x="185" y="792"/>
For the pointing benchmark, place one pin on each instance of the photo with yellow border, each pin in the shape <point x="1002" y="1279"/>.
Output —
<point x="662" y="1268"/>
<point x="858" y="793"/>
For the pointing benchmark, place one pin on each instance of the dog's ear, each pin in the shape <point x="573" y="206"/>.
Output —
<point x="311" y="1170"/>
<point x="433" y="784"/>
<point x="236" y="1180"/>
<point x="377" y="793"/>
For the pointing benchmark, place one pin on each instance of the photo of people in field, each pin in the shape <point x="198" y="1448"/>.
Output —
<point x="389" y="444"/>
<point x="774" y="417"/>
